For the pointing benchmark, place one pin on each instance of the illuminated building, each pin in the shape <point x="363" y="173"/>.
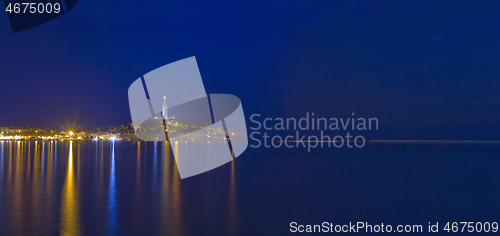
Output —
<point x="164" y="108"/>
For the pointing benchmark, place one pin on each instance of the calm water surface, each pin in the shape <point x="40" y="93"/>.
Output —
<point x="72" y="188"/>
<point x="126" y="188"/>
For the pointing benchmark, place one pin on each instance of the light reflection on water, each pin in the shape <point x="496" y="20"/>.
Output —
<point x="233" y="204"/>
<point x="70" y="223"/>
<point x="112" y="211"/>
<point x="78" y="188"/>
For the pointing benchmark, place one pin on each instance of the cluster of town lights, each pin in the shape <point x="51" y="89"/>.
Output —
<point x="17" y="137"/>
<point x="24" y="137"/>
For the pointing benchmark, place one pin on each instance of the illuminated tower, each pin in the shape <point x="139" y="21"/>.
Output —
<point x="164" y="108"/>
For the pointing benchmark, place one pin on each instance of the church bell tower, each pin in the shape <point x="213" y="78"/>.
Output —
<point x="164" y="108"/>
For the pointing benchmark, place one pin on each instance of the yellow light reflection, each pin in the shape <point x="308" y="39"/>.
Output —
<point x="28" y="172"/>
<point x="17" y="203"/>
<point x="49" y="202"/>
<point x="165" y="190"/>
<point x="171" y="205"/>
<point x="176" y="197"/>
<point x="70" y="224"/>
<point x="10" y="163"/>
<point x="36" y="166"/>
<point x="138" y="192"/>
<point x="233" y="203"/>
<point x="138" y="166"/>
<point x="1" y="159"/>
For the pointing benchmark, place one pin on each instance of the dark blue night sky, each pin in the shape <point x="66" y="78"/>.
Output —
<point x="425" y="69"/>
